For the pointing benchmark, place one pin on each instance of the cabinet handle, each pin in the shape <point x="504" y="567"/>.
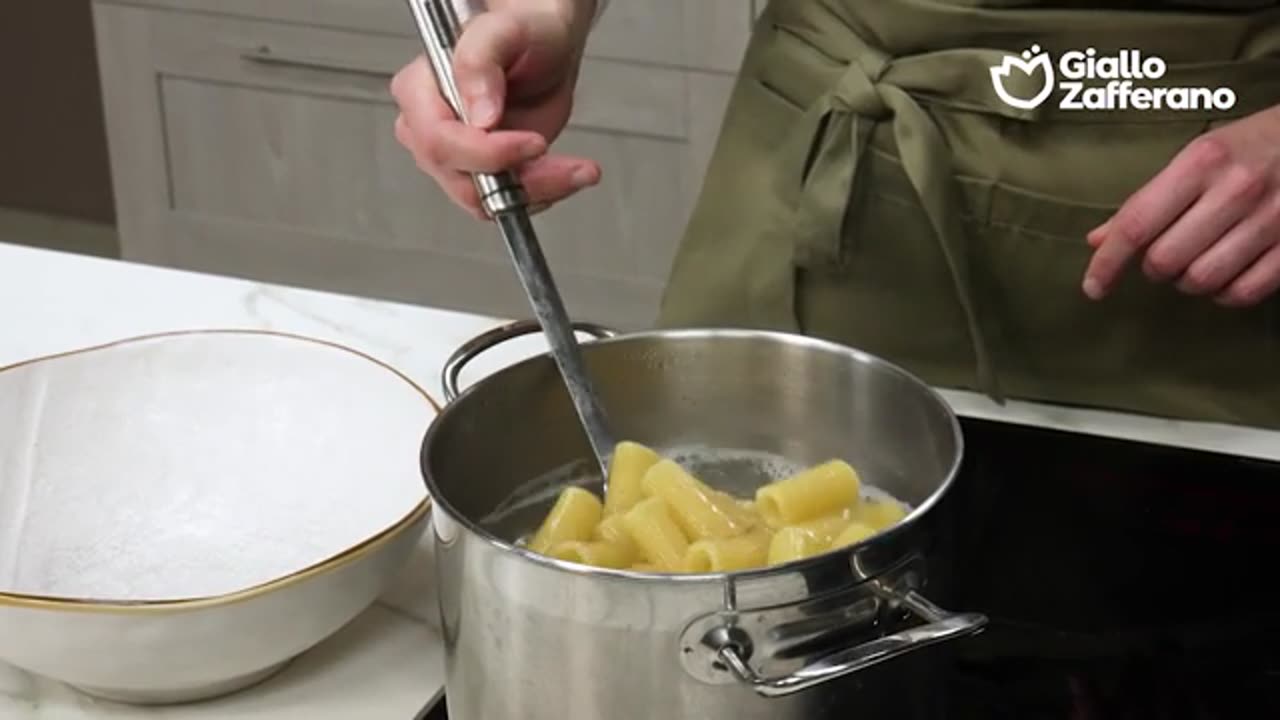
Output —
<point x="264" y="55"/>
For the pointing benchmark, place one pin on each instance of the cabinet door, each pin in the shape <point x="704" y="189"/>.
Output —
<point x="692" y="34"/>
<point x="266" y="151"/>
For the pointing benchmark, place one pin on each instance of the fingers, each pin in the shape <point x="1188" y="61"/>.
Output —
<point x="457" y="186"/>
<point x="1238" y="248"/>
<point x="445" y="148"/>
<point x="442" y="142"/>
<point x="1256" y="284"/>
<point x="1232" y="198"/>
<point x="547" y="180"/>
<point x="556" y="177"/>
<point x="1147" y="214"/>
<point x="491" y="43"/>
<point x="415" y="90"/>
<point x="502" y="58"/>
<point x="463" y="148"/>
<point x="1098" y="234"/>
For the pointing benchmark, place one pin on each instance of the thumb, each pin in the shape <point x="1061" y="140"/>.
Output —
<point x="489" y="45"/>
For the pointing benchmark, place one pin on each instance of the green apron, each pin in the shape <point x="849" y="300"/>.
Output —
<point x="870" y="187"/>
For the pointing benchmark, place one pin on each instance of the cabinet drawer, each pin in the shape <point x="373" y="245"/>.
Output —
<point x="694" y="34"/>
<point x="230" y="134"/>
<point x="612" y="96"/>
<point x="698" y="34"/>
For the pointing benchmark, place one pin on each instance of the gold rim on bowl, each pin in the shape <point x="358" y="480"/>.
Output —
<point x="339" y="560"/>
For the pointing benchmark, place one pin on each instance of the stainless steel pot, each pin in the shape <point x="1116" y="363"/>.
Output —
<point x="529" y="638"/>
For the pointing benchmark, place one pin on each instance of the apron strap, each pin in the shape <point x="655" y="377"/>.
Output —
<point x="833" y="135"/>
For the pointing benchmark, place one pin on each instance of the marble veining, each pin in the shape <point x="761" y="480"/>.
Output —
<point x="387" y="663"/>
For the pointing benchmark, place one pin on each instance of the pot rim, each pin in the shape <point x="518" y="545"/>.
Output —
<point x="443" y="505"/>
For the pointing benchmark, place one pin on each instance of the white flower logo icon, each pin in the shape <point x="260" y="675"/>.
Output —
<point x="1031" y="60"/>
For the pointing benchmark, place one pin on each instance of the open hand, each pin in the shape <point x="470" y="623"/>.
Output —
<point x="1209" y="222"/>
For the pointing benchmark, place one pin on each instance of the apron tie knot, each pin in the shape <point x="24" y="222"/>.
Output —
<point x="828" y="144"/>
<point x="857" y="92"/>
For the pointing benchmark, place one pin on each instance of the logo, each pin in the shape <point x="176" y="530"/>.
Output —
<point x="1087" y="81"/>
<point x="1030" y="61"/>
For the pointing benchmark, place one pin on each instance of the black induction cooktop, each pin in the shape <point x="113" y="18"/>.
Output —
<point x="1124" y="581"/>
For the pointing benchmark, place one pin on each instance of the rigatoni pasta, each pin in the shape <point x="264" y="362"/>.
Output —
<point x="657" y="517"/>
<point x="792" y="543"/>
<point x="702" y="513"/>
<point x="852" y="535"/>
<point x="726" y="555"/>
<point x="661" y="540"/>
<point x="627" y="468"/>
<point x="825" y="529"/>
<point x="598" y="553"/>
<point x="818" y="491"/>
<point x="878" y="513"/>
<point x="573" y="517"/>
<point x="612" y="530"/>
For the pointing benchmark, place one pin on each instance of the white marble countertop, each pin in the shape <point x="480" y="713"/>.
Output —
<point x="387" y="664"/>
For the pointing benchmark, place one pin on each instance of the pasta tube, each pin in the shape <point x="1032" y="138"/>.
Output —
<point x="702" y="513"/>
<point x="599" y="554"/>
<point x="743" y="511"/>
<point x="573" y="517"/>
<point x="658" y="517"/>
<point x="878" y="514"/>
<point x="740" y="553"/>
<point x="852" y="535"/>
<point x="627" y="467"/>
<point x="821" y="490"/>
<point x="792" y="543"/>
<point x="612" y="530"/>
<point x="825" y="529"/>
<point x="656" y="533"/>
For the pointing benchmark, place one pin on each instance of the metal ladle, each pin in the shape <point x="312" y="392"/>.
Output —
<point x="502" y="196"/>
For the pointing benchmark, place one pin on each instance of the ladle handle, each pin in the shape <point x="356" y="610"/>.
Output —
<point x="440" y="24"/>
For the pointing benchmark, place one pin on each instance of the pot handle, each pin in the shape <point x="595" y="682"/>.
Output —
<point x="477" y="345"/>
<point x="942" y="626"/>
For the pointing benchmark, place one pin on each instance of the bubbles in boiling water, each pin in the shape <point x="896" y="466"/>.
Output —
<point x="741" y="472"/>
<point x="737" y="472"/>
<point x="542" y="490"/>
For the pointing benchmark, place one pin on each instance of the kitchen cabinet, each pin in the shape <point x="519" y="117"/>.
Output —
<point x="255" y="140"/>
<point x="54" y="172"/>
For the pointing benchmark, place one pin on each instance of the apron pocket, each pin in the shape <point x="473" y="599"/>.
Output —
<point x="1029" y="261"/>
<point x="893" y="296"/>
<point x="1147" y="348"/>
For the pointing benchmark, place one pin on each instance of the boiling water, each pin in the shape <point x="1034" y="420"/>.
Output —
<point x="737" y="472"/>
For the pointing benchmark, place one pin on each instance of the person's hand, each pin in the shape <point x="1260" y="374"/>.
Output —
<point x="1209" y="222"/>
<point x="516" y="66"/>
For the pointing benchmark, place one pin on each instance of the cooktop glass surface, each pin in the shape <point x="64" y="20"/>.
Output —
<point x="1124" y="581"/>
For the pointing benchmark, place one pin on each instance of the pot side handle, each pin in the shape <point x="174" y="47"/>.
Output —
<point x="489" y="339"/>
<point x="941" y="626"/>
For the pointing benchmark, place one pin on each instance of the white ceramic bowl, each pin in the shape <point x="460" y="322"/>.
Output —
<point x="182" y="514"/>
